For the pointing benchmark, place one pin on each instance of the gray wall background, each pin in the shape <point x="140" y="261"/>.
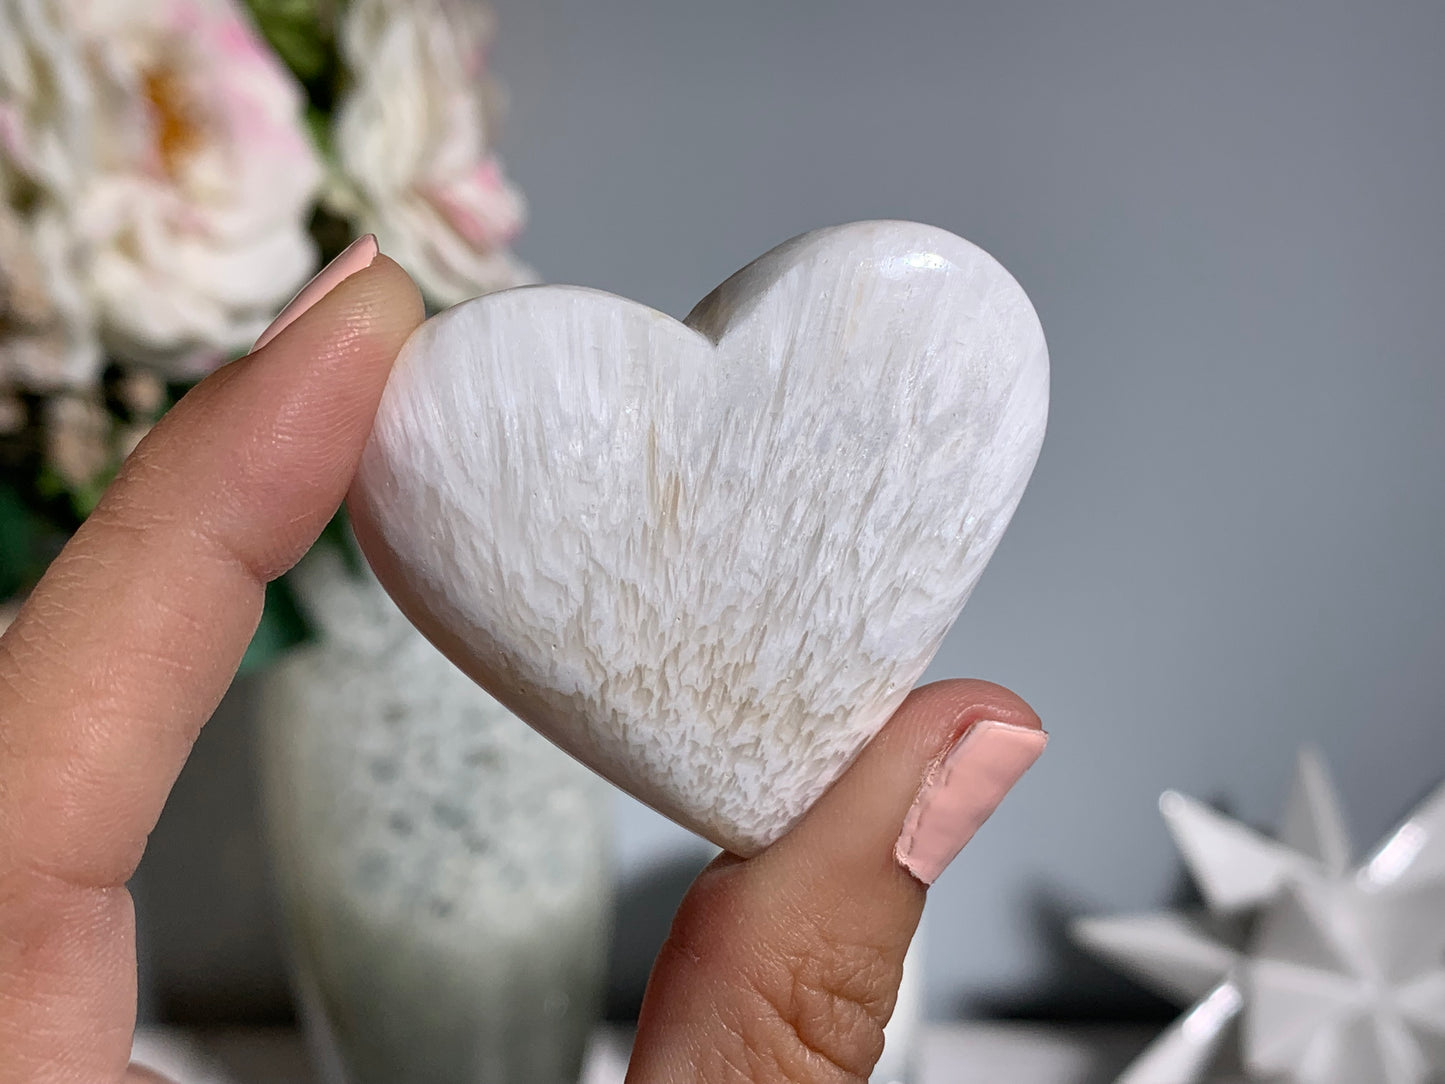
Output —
<point x="1229" y="216"/>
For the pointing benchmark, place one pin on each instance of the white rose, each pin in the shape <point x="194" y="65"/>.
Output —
<point x="47" y="340"/>
<point x="412" y="139"/>
<point x="164" y="142"/>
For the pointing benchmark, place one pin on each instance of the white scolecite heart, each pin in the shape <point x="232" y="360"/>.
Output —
<point x="710" y="558"/>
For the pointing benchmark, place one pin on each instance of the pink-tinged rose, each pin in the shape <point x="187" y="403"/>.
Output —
<point x="413" y="141"/>
<point x="166" y="141"/>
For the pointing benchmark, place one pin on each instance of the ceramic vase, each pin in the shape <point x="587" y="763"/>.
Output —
<point x="445" y="873"/>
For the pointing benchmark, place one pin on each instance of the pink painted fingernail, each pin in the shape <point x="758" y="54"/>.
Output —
<point x="353" y="258"/>
<point x="961" y="791"/>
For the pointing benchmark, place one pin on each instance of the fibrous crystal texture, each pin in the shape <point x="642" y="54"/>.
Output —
<point x="710" y="558"/>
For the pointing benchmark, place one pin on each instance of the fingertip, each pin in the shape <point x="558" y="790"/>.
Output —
<point x="391" y="301"/>
<point x="268" y="444"/>
<point x="872" y="819"/>
<point x="965" y="700"/>
<point x="379" y="303"/>
<point x="352" y="259"/>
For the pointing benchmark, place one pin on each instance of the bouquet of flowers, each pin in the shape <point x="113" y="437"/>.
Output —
<point x="171" y="171"/>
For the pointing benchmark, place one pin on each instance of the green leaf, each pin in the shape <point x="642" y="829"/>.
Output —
<point x="319" y="125"/>
<point x="82" y="499"/>
<point x="293" y="28"/>
<point x="28" y="541"/>
<point x="337" y="536"/>
<point x="283" y="626"/>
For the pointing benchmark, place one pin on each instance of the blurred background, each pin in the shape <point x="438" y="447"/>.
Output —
<point x="1229" y="217"/>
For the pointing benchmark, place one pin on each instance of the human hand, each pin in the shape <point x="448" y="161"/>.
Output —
<point x="781" y="968"/>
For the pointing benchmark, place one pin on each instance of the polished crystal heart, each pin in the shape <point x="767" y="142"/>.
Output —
<point x="709" y="558"/>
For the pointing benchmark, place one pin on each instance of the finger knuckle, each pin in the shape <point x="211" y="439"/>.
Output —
<point x="829" y="998"/>
<point x="815" y="996"/>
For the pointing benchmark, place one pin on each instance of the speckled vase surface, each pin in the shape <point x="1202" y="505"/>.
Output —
<point x="445" y="872"/>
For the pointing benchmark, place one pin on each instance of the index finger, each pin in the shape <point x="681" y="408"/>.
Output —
<point x="127" y="644"/>
<point x="125" y="647"/>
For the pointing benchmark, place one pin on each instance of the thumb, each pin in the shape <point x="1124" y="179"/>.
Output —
<point x="783" y="968"/>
